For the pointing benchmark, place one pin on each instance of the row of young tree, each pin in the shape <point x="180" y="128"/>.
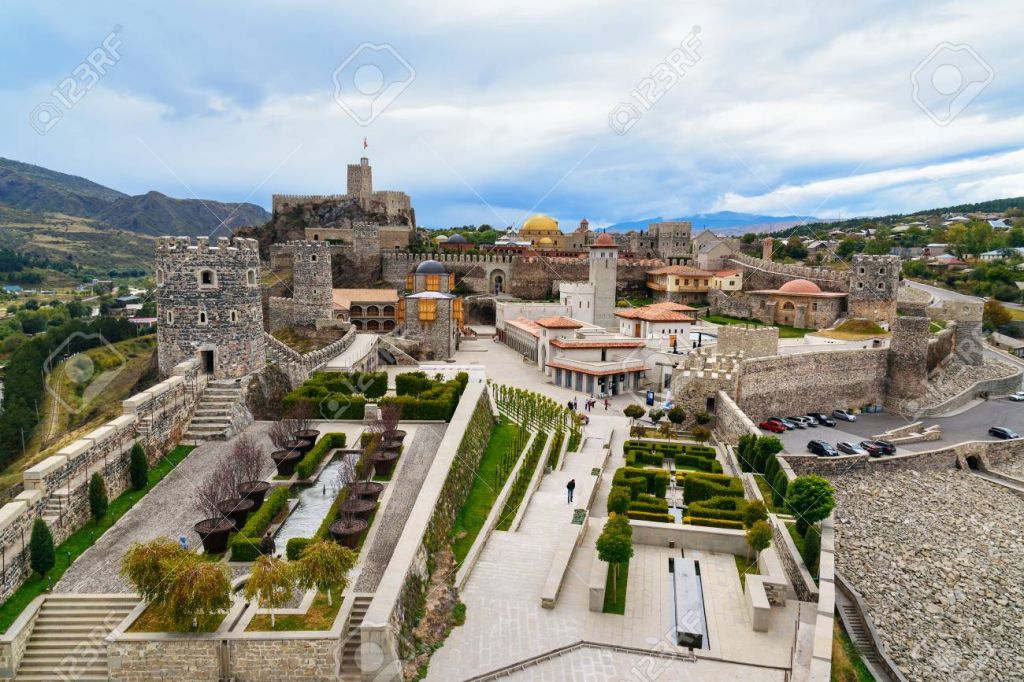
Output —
<point x="536" y="412"/>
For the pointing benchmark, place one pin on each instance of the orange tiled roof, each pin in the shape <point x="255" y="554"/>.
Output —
<point x="526" y="324"/>
<point x="680" y="270"/>
<point x="344" y="298"/>
<point x="655" y="314"/>
<point x="559" y="322"/>
<point x="593" y="343"/>
<point x="727" y="273"/>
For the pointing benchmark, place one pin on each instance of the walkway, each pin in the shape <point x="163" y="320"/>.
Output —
<point x="418" y="457"/>
<point x="353" y="356"/>
<point x="166" y="511"/>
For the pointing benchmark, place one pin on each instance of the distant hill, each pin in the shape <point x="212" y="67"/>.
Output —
<point x="722" y="221"/>
<point x="40" y="190"/>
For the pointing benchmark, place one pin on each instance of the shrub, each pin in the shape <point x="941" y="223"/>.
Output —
<point x="702" y="418"/>
<point x="701" y="433"/>
<point x="772" y="468"/>
<point x="676" y="415"/>
<point x="308" y="465"/>
<point x="766" y="448"/>
<point x="728" y="508"/>
<point x="296" y="546"/>
<point x="755" y="511"/>
<point x="245" y="544"/>
<point x="759" y="536"/>
<point x="655" y="481"/>
<point x="650" y="516"/>
<point x="812" y="549"/>
<point x="701" y="486"/>
<point x="650" y="507"/>
<point x="699" y="463"/>
<point x="98" y="501"/>
<point x="40" y="548"/>
<point x="810" y="498"/>
<point x="618" y="500"/>
<point x="779" y="485"/>
<point x="138" y="467"/>
<point x="745" y="451"/>
<point x="713" y="523"/>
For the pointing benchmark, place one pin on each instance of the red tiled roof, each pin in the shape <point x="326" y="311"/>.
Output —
<point x="559" y="322"/>
<point x="526" y="324"/>
<point x="727" y="273"/>
<point x="638" y="366"/>
<point x="591" y="343"/>
<point x="653" y="314"/>
<point x="680" y="270"/>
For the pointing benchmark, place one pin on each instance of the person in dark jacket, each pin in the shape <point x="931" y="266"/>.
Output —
<point x="267" y="545"/>
<point x="569" y="488"/>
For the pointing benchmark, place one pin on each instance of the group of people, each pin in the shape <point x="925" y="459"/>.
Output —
<point x="588" y="404"/>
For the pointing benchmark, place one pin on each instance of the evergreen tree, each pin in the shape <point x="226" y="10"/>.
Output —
<point x="138" y="467"/>
<point x="97" y="497"/>
<point x="40" y="548"/>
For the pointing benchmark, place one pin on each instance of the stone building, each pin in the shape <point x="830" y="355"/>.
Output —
<point x="312" y="290"/>
<point x="371" y="310"/>
<point x="670" y="321"/>
<point x="874" y="283"/>
<point x="593" y="301"/>
<point x="671" y="239"/>
<point x="798" y="303"/>
<point x="748" y="340"/>
<point x="209" y="305"/>
<point x="970" y="342"/>
<point x="699" y="377"/>
<point x="907" y="371"/>
<point x="431" y="313"/>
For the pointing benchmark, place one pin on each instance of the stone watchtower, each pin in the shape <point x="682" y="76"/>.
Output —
<point x="970" y="342"/>
<point x="604" y="266"/>
<point x="874" y="285"/>
<point x="767" y="247"/>
<point x="432" y="314"/>
<point x="360" y="179"/>
<point x="209" y="305"/>
<point x="312" y="287"/>
<point x="908" y="360"/>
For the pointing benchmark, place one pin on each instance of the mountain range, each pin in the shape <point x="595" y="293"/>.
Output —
<point x="727" y="222"/>
<point x="40" y="190"/>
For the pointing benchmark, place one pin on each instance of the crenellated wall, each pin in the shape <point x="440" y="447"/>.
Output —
<point x="764" y="274"/>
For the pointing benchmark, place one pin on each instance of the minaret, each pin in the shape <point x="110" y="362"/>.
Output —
<point x="604" y="265"/>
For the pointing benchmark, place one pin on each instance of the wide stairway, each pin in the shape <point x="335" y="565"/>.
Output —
<point x="213" y="416"/>
<point x="350" y="669"/>
<point x="68" y="638"/>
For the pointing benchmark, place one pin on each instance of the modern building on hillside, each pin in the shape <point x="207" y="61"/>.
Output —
<point x="666" y="320"/>
<point x="679" y="283"/>
<point x="589" y="359"/>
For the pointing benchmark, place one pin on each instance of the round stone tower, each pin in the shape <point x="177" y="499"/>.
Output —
<point x="209" y="306"/>
<point x="312" y="285"/>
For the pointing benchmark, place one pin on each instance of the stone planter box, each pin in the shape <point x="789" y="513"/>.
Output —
<point x="214" y="534"/>
<point x="347" y="533"/>
<point x="255" y="491"/>
<point x="359" y="507"/>
<point x="286" y="461"/>
<point x="369" y="490"/>
<point x="236" y="510"/>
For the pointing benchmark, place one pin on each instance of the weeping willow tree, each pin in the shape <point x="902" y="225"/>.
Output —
<point x="325" y="565"/>
<point x="271" y="584"/>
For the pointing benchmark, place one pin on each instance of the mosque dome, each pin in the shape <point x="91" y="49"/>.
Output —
<point x="441" y="238"/>
<point x="799" y="287"/>
<point x="430" y="267"/>
<point x="457" y="239"/>
<point x="538" y="224"/>
<point x="545" y="241"/>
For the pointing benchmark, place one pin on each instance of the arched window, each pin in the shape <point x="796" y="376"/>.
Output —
<point x="389" y="311"/>
<point x="860" y="270"/>
<point x="250" y="277"/>
<point x="356" y="311"/>
<point x="234" y="316"/>
<point x="372" y="311"/>
<point x="881" y="271"/>
<point x="372" y="326"/>
<point x="788" y="305"/>
<point x="881" y="285"/>
<point x="169" y="317"/>
<point x="159" y="277"/>
<point x="202" y="317"/>
<point x="312" y="258"/>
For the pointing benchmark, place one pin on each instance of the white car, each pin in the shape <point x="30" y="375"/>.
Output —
<point x="1017" y="397"/>
<point x="844" y="415"/>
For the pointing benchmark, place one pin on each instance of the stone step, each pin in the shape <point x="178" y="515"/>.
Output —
<point x="54" y="677"/>
<point x="91" y="598"/>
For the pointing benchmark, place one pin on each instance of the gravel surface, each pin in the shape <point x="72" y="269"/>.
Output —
<point x="937" y="558"/>
<point x="959" y="377"/>
<point x="165" y="511"/>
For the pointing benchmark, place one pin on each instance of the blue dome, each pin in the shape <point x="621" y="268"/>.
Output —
<point x="430" y="267"/>
<point x="457" y="239"/>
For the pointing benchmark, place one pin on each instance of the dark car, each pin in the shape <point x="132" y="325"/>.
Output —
<point x="877" y="448"/>
<point x="822" y="449"/>
<point x="772" y="425"/>
<point x="1002" y="432"/>
<point x="851" y="448"/>
<point x="823" y="419"/>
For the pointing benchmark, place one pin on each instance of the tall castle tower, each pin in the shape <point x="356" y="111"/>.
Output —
<point x="209" y="305"/>
<point x="604" y="266"/>
<point x="360" y="179"/>
<point x="312" y="284"/>
<point x="874" y="284"/>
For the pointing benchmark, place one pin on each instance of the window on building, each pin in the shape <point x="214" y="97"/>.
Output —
<point x="202" y="317"/>
<point x="234" y="316"/>
<point x="250" y="277"/>
<point x="169" y="317"/>
<point x="451" y="281"/>
<point x="312" y="258"/>
<point x="457" y="310"/>
<point x="428" y="310"/>
<point x="881" y="285"/>
<point x="814" y="306"/>
<point x="433" y="282"/>
<point x="159" y="277"/>
<point x="881" y="271"/>
<point x="860" y="285"/>
<point x="400" y="313"/>
<point x="207" y="278"/>
<point x="860" y="270"/>
<point x="408" y="282"/>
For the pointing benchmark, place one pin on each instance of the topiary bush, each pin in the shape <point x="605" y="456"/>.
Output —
<point x="138" y="467"/>
<point x="779" y="485"/>
<point x="98" y="501"/>
<point x="650" y="516"/>
<point x="812" y="549"/>
<point x="618" y="499"/>
<point x="754" y="511"/>
<point x="713" y="523"/>
<point x="698" y="486"/>
<point x="728" y="508"/>
<point x="245" y="544"/>
<point x="308" y="465"/>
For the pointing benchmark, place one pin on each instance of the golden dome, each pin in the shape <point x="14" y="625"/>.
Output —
<point x="539" y="224"/>
<point x="441" y="238"/>
<point x="545" y="241"/>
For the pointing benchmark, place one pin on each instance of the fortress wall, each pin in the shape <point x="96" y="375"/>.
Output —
<point x="764" y="274"/>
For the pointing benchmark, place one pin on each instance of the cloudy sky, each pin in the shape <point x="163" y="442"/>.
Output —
<point x="485" y="112"/>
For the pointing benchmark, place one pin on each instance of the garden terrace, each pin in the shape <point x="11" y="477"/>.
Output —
<point x="337" y="395"/>
<point x="686" y="456"/>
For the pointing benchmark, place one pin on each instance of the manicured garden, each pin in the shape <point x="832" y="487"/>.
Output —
<point x="687" y="456"/>
<point x="337" y="395"/>
<point x="73" y="547"/>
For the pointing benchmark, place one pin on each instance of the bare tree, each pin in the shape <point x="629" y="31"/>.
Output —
<point x="346" y="474"/>
<point x="248" y="459"/>
<point x="388" y="415"/>
<point x="300" y="417"/>
<point x="280" y="433"/>
<point x="220" y="485"/>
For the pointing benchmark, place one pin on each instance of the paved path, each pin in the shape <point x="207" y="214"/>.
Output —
<point x="418" y="458"/>
<point x="166" y="511"/>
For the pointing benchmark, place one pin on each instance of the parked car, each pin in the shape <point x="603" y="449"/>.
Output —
<point x="877" y="448"/>
<point x="1017" y="397"/>
<point x="851" y="448"/>
<point x="822" y="449"/>
<point x="772" y="425"/>
<point x="810" y="421"/>
<point x="1002" y="432"/>
<point x="785" y="422"/>
<point x="798" y="422"/>
<point x="824" y="419"/>
<point x="845" y="415"/>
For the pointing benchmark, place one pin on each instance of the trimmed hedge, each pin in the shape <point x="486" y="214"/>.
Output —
<point x="700" y="463"/>
<point x="307" y="466"/>
<point x="343" y="394"/>
<point x="650" y="507"/>
<point x="713" y="523"/>
<point x="650" y="516"/>
<point x="723" y="508"/>
<point x="423" y="398"/>
<point x="654" y="481"/>
<point x="245" y="544"/>
<point x="699" y="486"/>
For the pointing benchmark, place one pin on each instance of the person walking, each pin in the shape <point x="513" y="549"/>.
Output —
<point x="267" y="545"/>
<point x="569" y="488"/>
<point x="607" y="403"/>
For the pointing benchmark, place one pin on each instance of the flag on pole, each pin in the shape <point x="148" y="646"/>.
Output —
<point x="364" y="143"/>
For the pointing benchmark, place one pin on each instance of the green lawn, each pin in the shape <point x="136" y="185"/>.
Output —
<point x="847" y="665"/>
<point x="798" y="539"/>
<point x="81" y="540"/>
<point x="484" y="492"/>
<point x="766" y="493"/>
<point x="745" y="567"/>
<point x="785" y="331"/>
<point x="611" y="604"/>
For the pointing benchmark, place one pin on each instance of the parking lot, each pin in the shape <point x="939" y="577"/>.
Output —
<point x="972" y="424"/>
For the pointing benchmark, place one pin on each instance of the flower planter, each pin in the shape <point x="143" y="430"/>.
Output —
<point x="299" y="444"/>
<point x="347" y="532"/>
<point x="236" y="510"/>
<point x="369" y="490"/>
<point x="308" y="434"/>
<point x="393" y="438"/>
<point x="359" y="507"/>
<point x="384" y="462"/>
<point x="255" y="491"/>
<point x="286" y="461"/>
<point x="214" y="534"/>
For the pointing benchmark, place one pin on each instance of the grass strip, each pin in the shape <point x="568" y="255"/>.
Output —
<point x="616" y="603"/>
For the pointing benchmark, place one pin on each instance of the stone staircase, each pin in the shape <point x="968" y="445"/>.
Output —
<point x="216" y="414"/>
<point x="68" y="638"/>
<point x="56" y="505"/>
<point x="350" y="669"/>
